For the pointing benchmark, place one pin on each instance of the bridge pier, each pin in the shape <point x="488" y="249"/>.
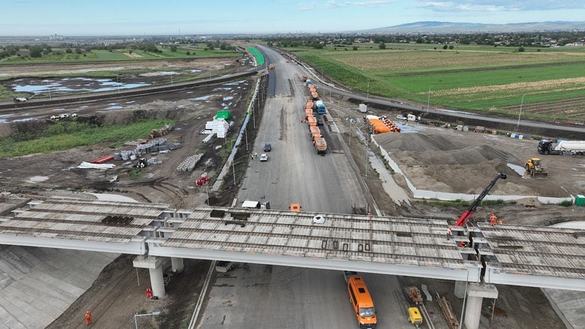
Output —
<point x="177" y="265"/>
<point x="155" y="267"/>
<point x="460" y="287"/>
<point x="475" y="294"/>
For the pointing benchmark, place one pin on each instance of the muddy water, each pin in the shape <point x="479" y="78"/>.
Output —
<point x="70" y="85"/>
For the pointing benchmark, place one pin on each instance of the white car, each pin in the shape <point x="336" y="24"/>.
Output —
<point x="263" y="157"/>
<point x="319" y="219"/>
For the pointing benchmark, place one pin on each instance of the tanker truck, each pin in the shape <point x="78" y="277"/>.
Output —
<point x="547" y="146"/>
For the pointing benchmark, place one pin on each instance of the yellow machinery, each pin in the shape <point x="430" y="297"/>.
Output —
<point x="414" y="316"/>
<point x="534" y="168"/>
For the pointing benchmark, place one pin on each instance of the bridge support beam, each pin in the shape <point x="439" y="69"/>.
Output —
<point x="475" y="294"/>
<point x="155" y="266"/>
<point x="460" y="287"/>
<point x="177" y="265"/>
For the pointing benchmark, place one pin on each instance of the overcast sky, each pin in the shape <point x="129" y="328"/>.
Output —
<point x="118" y="17"/>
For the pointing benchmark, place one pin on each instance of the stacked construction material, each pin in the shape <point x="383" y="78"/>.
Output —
<point x="155" y="145"/>
<point x="189" y="163"/>
<point x="381" y="125"/>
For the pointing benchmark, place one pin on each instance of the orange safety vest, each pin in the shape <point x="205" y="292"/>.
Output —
<point x="87" y="318"/>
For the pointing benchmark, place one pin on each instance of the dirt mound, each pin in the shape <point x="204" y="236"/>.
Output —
<point x="469" y="155"/>
<point x="417" y="142"/>
<point x="437" y="149"/>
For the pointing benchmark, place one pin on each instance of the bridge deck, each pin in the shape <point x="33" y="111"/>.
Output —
<point x="535" y="251"/>
<point x="513" y="254"/>
<point x="385" y="241"/>
<point x="79" y="224"/>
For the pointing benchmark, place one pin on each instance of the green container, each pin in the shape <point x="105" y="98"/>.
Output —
<point x="223" y="114"/>
<point x="580" y="200"/>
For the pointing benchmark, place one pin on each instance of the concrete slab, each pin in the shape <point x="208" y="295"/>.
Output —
<point x="37" y="285"/>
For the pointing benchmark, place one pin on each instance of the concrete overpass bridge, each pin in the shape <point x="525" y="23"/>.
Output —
<point x="505" y="254"/>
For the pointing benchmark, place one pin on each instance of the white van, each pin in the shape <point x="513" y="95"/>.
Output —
<point x="255" y="205"/>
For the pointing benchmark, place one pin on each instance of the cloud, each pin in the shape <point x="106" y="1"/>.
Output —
<point x="501" y="5"/>
<point x="306" y="6"/>
<point x="357" y="3"/>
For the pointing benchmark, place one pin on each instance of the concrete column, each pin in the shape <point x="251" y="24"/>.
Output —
<point x="155" y="268"/>
<point x="460" y="289"/>
<point x="177" y="265"/>
<point x="157" y="282"/>
<point x="475" y="294"/>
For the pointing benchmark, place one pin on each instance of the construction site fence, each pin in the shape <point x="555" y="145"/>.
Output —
<point x="447" y="196"/>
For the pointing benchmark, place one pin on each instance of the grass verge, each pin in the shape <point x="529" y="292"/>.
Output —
<point x="78" y="134"/>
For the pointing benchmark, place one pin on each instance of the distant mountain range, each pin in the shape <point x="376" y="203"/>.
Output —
<point x="435" y="27"/>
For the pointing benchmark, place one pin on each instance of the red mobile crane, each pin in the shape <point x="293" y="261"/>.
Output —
<point x="464" y="217"/>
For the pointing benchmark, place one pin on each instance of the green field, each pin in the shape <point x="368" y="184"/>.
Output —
<point x="477" y="78"/>
<point x="60" y="56"/>
<point x="63" y="136"/>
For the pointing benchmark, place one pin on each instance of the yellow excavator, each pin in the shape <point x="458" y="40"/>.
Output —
<point x="534" y="168"/>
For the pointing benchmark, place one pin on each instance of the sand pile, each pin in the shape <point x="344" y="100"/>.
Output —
<point x="436" y="162"/>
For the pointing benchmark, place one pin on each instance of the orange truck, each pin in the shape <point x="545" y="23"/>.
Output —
<point x="312" y="121"/>
<point x="320" y="145"/>
<point x="315" y="132"/>
<point x="308" y="113"/>
<point x="361" y="301"/>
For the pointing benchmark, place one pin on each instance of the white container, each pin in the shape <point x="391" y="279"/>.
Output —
<point x="363" y="108"/>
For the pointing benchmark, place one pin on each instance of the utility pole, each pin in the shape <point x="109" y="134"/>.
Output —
<point x="429" y="100"/>
<point x="368" y="92"/>
<point x="246" y="136"/>
<point x="520" y="114"/>
<point x="366" y="159"/>
<point x="234" y="170"/>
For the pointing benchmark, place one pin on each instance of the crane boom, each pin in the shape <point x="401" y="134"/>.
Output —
<point x="462" y="220"/>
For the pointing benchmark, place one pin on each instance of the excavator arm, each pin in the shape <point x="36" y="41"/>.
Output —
<point x="464" y="217"/>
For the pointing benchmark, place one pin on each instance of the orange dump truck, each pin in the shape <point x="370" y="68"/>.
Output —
<point x="320" y="145"/>
<point x="308" y="113"/>
<point x="312" y="121"/>
<point x="315" y="132"/>
<point x="309" y="105"/>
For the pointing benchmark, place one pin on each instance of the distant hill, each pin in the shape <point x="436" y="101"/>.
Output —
<point x="435" y="27"/>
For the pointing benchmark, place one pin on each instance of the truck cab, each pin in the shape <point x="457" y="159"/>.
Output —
<point x="361" y="301"/>
<point x="545" y="146"/>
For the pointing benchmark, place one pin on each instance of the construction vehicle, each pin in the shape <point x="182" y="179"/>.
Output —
<point x="320" y="106"/>
<point x="547" y="146"/>
<point x="415" y="298"/>
<point x="534" y="168"/>
<point x="320" y="145"/>
<point x="312" y="121"/>
<point x="361" y="301"/>
<point x="20" y="99"/>
<point x="466" y="215"/>
<point x="315" y="132"/>
<point x="414" y="316"/>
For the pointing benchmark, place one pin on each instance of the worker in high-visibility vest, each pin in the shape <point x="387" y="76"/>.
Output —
<point x="88" y="318"/>
<point x="149" y="294"/>
<point x="493" y="218"/>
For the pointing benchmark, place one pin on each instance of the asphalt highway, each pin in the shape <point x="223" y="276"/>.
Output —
<point x="257" y="296"/>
